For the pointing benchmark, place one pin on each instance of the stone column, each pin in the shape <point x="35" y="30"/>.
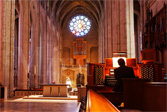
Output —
<point x="7" y="36"/>
<point x="56" y="57"/>
<point x="1" y="39"/>
<point x="108" y="42"/>
<point x="101" y="40"/>
<point x="43" y="48"/>
<point x="119" y="29"/>
<point x="23" y="46"/>
<point x="52" y="48"/>
<point x="130" y="29"/>
<point x="117" y="25"/>
<point x="115" y="36"/>
<point x="48" y="53"/>
<point x="34" y="52"/>
<point x="123" y="28"/>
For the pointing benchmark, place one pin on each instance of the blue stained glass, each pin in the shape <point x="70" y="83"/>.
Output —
<point x="73" y="20"/>
<point x="88" y="23"/>
<point x="80" y="25"/>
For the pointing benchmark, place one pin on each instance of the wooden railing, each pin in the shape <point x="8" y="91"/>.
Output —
<point x="98" y="103"/>
<point x="27" y="92"/>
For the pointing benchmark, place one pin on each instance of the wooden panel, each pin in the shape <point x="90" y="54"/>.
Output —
<point x="115" y="97"/>
<point x="97" y="88"/>
<point x="155" y="97"/>
<point x="90" y="72"/>
<point x="159" y="76"/>
<point x="81" y="93"/>
<point x="108" y="62"/>
<point x="133" y="93"/>
<point x="148" y="55"/>
<point x="63" y="91"/>
<point x="27" y="92"/>
<point x="46" y="91"/>
<point x="148" y="96"/>
<point x="131" y="62"/>
<point x="98" y="103"/>
<point x="55" y="90"/>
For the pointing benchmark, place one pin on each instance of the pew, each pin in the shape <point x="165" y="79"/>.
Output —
<point x="155" y="96"/>
<point x="133" y="93"/>
<point x="145" y="96"/>
<point x="115" y="97"/>
<point x="98" y="103"/>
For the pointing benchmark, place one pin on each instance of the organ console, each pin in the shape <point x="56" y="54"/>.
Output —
<point x="101" y="79"/>
<point x="103" y="74"/>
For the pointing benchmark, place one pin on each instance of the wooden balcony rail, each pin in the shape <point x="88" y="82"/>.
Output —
<point x="98" y="103"/>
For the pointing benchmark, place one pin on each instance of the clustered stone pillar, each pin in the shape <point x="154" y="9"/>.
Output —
<point x="43" y="48"/>
<point x="108" y="40"/>
<point x="1" y="39"/>
<point x="119" y="29"/>
<point x="7" y="9"/>
<point x="101" y="40"/>
<point x="56" y="56"/>
<point x="23" y="46"/>
<point x="48" y="52"/>
<point x="130" y="29"/>
<point x="49" y="67"/>
<point x="34" y="50"/>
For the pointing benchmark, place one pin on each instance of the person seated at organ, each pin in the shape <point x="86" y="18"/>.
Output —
<point x="122" y="72"/>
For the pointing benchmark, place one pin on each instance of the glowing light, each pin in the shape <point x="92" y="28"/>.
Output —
<point x="80" y="25"/>
<point x="115" y="61"/>
<point x="68" y="81"/>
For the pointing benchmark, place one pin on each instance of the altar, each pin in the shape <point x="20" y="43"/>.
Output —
<point x="55" y="90"/>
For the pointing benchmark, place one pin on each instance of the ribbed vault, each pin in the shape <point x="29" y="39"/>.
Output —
<point x="63" y="10"/>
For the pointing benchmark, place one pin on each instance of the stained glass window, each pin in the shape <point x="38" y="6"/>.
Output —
<point x="80" y="25"/>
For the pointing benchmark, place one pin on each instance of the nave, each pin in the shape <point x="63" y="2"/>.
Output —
<point x="38" y="105"/>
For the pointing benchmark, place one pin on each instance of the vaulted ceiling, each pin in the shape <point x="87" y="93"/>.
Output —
<point x="63" y="10"/>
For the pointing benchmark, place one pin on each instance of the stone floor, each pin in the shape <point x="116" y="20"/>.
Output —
<point x="41" y="105"/>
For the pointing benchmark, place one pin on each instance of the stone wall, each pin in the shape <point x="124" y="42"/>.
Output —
<point x="68" y="38"/>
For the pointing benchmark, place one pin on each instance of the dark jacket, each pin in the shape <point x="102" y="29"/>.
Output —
<point x="120" y="73"/>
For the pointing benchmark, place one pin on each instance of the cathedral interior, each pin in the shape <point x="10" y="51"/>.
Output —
<point x="77" y="43"/>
